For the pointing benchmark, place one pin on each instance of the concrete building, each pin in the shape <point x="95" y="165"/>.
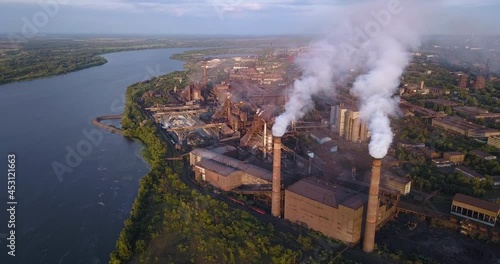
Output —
<point x="346" y="122"/>
<point x="480" y="83"/>
<point x="400" y="184"/>
<point x="333" y="210"/>
<point x="483" y="155"/>
<point x="463" y="80"/>
<point x="494" y="141"/>
<point x="442" y="163"/>
<point x="337" y="119"/>
<point x="442" y="102"/>
<point x="224" y="172"/>
<point x="336" y="210"/>
<point x="486" y="133"/>
<point x="496" y="181"/>
<point x="470" y="111"/>
<point x="461" y="126"/>
<point x="470" y="173"/>
<point x="320" y="136"/>
<point x="356" y="130"/>
<point x="438" y="91"/>
<point x="475" y="209"/>
<point x="454" y="157"/>
<point x="428" y="153"/>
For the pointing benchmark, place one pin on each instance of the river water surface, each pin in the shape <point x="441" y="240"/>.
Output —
<point x="75" y="217"/>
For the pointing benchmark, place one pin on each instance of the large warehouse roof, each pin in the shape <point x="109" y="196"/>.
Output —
<point x="216" y="167"/>
<point x="234" y="163"/>
<point x="327" y="193"/>
<point x="486" y="205"/>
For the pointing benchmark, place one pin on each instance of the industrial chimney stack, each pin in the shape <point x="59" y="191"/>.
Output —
<point x="276" y="194"/>
<point x="371" y="214"/>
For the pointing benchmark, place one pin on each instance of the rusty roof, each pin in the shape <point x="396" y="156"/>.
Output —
<point x="216" y="167"/>
<point x="454" y="153"/>
<point x="483" y="204"/>
<point x="237" y="165"/>
<point x="326" y="193"/>
<point x="482" y="154"/>
<point x="355" y="202"/>
<point x="398" y="179"/>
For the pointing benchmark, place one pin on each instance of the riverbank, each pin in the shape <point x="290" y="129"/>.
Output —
<point x="97" y="122"/>
<point x="107" y="172"/>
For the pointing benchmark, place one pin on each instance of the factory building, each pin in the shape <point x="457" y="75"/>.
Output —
<point x="346" y="122"/>
<point x="470" y="173"/>
<point x="336" y="210"/>
<point x="471" y="111"/>
<point x="224" y="172"/>
<point x="494" y="141"/>
<point x="475" y="209"/>
<point x="402" y="185"/>
<point x="461" y="126"/>
<point x="333" y="210"/>
<point x="463" y="80"/>
<point x="483" y="155"/>
<point x="442" y="102"/>
<point x="480" y="83"/>
<point x="454" y="157"/>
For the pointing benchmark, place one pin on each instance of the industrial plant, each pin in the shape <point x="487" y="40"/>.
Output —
<point x="318" y="174"/>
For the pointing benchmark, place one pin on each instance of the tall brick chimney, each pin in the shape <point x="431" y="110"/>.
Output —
<point x="371" y="214"/>
<point x="276" y="194"/>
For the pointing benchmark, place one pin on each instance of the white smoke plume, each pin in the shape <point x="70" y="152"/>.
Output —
<point x="319" y="67"/>
<point x="376" y="39"/>
<point x="376" y="89"/>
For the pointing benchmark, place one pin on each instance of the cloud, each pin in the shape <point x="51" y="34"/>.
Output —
<point x="223" y="16"/>
<point x="469" y="3"/>
<point x="185" y="7"/>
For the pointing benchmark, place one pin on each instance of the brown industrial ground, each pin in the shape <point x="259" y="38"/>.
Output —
<point x="436" y="244"/>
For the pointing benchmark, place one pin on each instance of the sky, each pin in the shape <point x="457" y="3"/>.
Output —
<point x="216" y="17"/>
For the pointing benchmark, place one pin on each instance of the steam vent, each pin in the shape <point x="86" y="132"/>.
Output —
<point x="371" y="214"/>
<point x="276" y="194"/>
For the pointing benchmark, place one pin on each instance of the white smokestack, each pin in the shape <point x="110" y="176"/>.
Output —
<point x="376" y="41"/>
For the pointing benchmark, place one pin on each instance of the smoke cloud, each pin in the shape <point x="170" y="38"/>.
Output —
<point x="374" y="39"/>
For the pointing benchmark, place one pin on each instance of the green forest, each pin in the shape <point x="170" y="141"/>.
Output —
<point x="426" y="176"/>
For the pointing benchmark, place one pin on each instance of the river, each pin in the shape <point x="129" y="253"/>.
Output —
<point x="74" y="213"/>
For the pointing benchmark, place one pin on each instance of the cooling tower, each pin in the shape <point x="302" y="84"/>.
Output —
<point x="371" y="214"/>
<point x="276" y="194"/>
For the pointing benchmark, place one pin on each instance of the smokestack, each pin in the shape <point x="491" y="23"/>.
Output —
<point x="264" y="141"/>
<point x="276" y="195"/>
<point x="371" y="214"/>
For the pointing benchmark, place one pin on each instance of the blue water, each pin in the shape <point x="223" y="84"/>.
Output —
<point x="76" y="216"/>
